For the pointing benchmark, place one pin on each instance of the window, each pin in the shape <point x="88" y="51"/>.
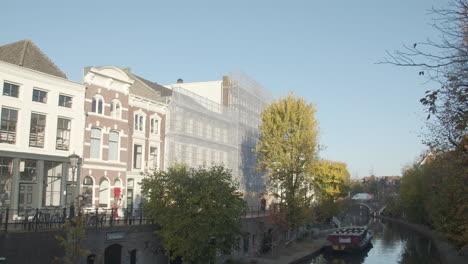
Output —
<point x="65" y="101"/>
<point x="8" y="126"/>
<point x="104" y="193"/>
<point x="28" y="170"/>
<point x="39" y="96"/>
<point x="88" y="180"/>
<point x="87" y="192"/>
<point x="99" y="108"/>
<point x="6" y="177"/>
<point x="10" y="89"/>
<point x="113" y="145"/>
<point x="96" y="105"/>
<point x="37" y="130"/>
<point x="52" y="183"/>
<point x="95" y="148"/>
<point x="115" y="109"/>
<point x="154" y="126"/>
<point x="153" y="158"/>
<point x="137" y="153"/>
<point x="139" y="126"/>
<point x="63" y="133"/>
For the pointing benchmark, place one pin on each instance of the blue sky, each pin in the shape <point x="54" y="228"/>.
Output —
<point x="326" y="51"/>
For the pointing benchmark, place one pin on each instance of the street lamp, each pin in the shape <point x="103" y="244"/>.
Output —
<point x="74" y="160"/>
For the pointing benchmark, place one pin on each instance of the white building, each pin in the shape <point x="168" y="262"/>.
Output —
<point x="42" y="123"/>
<point x="218" y="121"/>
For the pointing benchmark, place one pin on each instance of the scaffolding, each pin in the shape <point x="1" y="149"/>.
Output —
<point x="201" y="131"/>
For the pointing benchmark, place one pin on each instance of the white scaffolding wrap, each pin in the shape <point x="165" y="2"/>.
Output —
<point x="201" y="131"/>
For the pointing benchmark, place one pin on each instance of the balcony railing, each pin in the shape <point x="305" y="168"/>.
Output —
<point x="7" y="137"/>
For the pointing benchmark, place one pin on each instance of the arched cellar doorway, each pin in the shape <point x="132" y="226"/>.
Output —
<point x="113" y="254"/>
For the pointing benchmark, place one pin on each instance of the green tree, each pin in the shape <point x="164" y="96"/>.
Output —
<point x="198" y="210"/>
<point x="412" y="196"/>
<point x="288" y="149"/>
<point x="445" y="183"/>
<point x="72" y="240"/>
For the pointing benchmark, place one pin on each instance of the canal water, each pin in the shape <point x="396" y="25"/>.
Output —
<point x="391" y="244"/>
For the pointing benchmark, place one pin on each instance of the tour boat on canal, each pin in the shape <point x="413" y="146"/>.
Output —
<point x="350" y="239"/>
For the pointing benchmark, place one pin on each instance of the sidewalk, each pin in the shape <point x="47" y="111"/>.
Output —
<point x="291" y="254"/>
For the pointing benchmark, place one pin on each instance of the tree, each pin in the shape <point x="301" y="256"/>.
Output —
<point x="198" y="211"/>
<point x="72" y="240"/>
<point x="436" y="194"/>
<point x="443" y="61"/>
<point x="412" y="198"/>
<point x="288" y="149"/>
<point x="330" y="179"/>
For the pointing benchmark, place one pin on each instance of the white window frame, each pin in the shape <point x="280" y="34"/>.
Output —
<point x="117" y="148"/>
<point x="97" y="98"/>
<point x="139" y="121"/>
<point x="100" y="143"/>
<point x="113" y="112"/>
<point x="142" y="145"/>
<point x="40" y="90"/>
<point x="155" y="124"/>
<point x="150" y="161"/>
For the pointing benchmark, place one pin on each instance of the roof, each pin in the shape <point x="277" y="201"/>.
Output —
<point x="159" y="88"/>
<point x="24" y="53"/>
<point x="147" y="89"/>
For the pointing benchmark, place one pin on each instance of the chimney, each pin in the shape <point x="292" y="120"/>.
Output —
<point x="180" y="80"/>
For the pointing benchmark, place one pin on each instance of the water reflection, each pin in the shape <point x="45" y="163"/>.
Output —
<point x="391" y="244"/>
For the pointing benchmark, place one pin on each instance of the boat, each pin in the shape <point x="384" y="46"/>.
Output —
<point x="350" y="239"/>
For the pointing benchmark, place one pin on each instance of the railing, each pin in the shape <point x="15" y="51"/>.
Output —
<point x="256" y="211"/>
<point x="34" y="220"/>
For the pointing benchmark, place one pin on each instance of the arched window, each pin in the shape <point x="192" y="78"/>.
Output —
<point x="93" y="106"/>
<point x="113" y="145"/>
<point x="97" y="105"/>
<point x="99" y="108"/>
<point x="95" y="147"/>
<point x="104" y="193"/>
<point x="115" y="109"/>
<point x="88" y="180"/>
<point x="87" y="192"/>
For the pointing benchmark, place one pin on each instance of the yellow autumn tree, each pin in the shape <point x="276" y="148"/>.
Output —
<point x="329" y="181"/>
<point x="288" y="149"/>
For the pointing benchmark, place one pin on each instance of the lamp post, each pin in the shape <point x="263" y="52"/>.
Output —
<point x="74" y="160"/>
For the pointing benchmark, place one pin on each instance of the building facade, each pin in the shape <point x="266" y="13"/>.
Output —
<point x="148" y="108"/>
<point x="42" y="124"/>
<point x="218" y="122"/>
<point x="124" y="137"/>
<point x="107" y="137"/>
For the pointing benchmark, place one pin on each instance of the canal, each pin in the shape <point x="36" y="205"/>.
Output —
<point x="391" y="244"/>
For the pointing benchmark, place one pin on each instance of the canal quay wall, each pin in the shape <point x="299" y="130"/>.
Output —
<point x="124" y="241"/>
<point x="447" y="253"/>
